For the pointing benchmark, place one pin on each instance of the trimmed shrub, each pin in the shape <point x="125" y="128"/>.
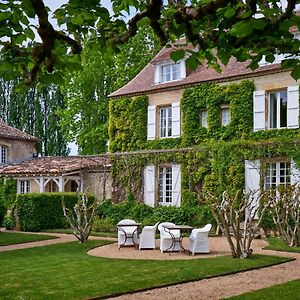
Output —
<point x="2" y="213"/>
<point x="8" y="222"/>
<point x="195" y="215"/>
<point x="43" y="210"/>
<point x="103" y="225"/>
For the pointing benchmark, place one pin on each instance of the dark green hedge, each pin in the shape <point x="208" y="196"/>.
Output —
<point x="43" y="210"/>
<point x="194" y="215"/>
<point x="2" y="213"/>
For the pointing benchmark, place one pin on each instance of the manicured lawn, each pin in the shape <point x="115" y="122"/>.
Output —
<point x="286" y="291"/>
<point x="278" y="245"/>
<point x="65" y="271"/>
<point x="94" y="233"/>
<point x="10" y="238"/>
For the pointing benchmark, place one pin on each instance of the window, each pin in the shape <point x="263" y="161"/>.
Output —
<point x="3" y="154"/>
<point x="225" y="116"/>
<point x="165" y="185"/>
<point x="51" y="186"/>
<point x="24" y="186"/>
<point x="277" y="107"/>
<point x="203" y="118"/>
<point x="170" y="72"/>
<point x="166" y="122"/>
<point x="162" y="185"/>
<point x="277" y="173"/>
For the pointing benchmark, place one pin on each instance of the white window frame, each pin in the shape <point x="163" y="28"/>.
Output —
<point x="165" y="186"/>
<point x="277" y="173"/>
<point x="3" y="154"/>
<point x="174" y="68"/>
<point x="225" y="115"/>
<point x="165" y="122"/>
<point x="278" y="112"/>
<point x="24" y="186"/>
<point x="203" y="118"/>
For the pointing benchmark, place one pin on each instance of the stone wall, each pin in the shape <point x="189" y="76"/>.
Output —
<point x="18" y="149"/>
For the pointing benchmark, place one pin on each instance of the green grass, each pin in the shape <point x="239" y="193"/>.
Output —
<point x="94" y="233"/>
<point x="65" y="271"/>
<point x="11" y="238"/>
<point x="278" y="245"/>
<point x="286" y="291"/>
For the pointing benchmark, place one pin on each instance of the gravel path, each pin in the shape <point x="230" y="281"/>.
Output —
<point x="213" y="289"/>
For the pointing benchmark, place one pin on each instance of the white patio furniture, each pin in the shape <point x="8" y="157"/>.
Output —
<point x="199" y="240"/>
<point x="147" y="237"/>
<point x="168" y="238"/>
<point x="127" y="233"/>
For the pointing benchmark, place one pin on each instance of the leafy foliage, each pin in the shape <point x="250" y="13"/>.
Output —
<point x="192" y="215"/>
<point x="2" y="213"/>
<point x="43" y="210"/>
<point x="128" y="123"/>
<point x="85" y="118"/>
<point x="128" y="118"/>
<point x="35" y="112"/>
<point x="8" y="190"/>
<point x="218" y="29"/>
<point x="211" y="97"/>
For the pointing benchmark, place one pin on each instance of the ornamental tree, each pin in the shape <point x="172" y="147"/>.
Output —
<point x="218" y="30"/>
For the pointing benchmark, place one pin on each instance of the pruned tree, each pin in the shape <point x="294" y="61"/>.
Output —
<point x="238" y="219"/>
<point x="285" y="212"/>
<point x="81" y="216"/>
<point x="218" y="30"/>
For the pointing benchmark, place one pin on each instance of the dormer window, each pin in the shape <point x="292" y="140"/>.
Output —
<point x="169" y="71"/>
<point x="3" y="154"/>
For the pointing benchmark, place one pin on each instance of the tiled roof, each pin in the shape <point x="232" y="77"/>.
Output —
<point x="144" y="81"/>
<point x="53" y="165"/>
<point x="7" y="131"/>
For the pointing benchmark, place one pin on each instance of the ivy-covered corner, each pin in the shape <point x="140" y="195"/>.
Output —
<point x="127" y="124"/>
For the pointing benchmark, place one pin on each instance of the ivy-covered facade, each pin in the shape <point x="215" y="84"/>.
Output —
<point x="172" y="141"/>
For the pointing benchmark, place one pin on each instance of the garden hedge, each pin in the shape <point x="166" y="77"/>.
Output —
<point x="130" y="209"/>
<point x="2" y="213"/>
<point x="43" y="210"/>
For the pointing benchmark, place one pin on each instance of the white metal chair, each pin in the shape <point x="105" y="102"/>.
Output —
<point x="199" y="240"/>
<point x="147" y="237"/>
<point x="168" y="238"/>
<point x="127" y="235"/>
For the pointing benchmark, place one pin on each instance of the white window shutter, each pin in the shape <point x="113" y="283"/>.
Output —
<point x="176" y="119"/>
<point x="293" y="106"/>
<point x="182" y="69"/>
<point x="295" y="173"/>
<point x="157" y="72"/>
<point x="151" y="122"/>
<point x="149" y="185"/>
<point x="252" y="179"/>
<point x="259" y="103"/>
<point x="176" y="185"/>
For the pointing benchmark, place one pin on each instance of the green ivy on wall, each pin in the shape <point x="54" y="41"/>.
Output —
<point x="215" y="159"/>
<point x="211" y="97"/>
<point x="216" y="167"/>
<point x="128" y="118"/>
<point x="127" y="124"/>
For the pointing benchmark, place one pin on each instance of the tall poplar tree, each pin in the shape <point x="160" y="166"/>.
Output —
<point x="85" y="118"/>
<point x="35" y="112"/>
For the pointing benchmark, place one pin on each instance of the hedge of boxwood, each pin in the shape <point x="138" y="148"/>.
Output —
<point x="2" y="213"/>
<point x="43" y="210"/>
<point x="198" y="215"/>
